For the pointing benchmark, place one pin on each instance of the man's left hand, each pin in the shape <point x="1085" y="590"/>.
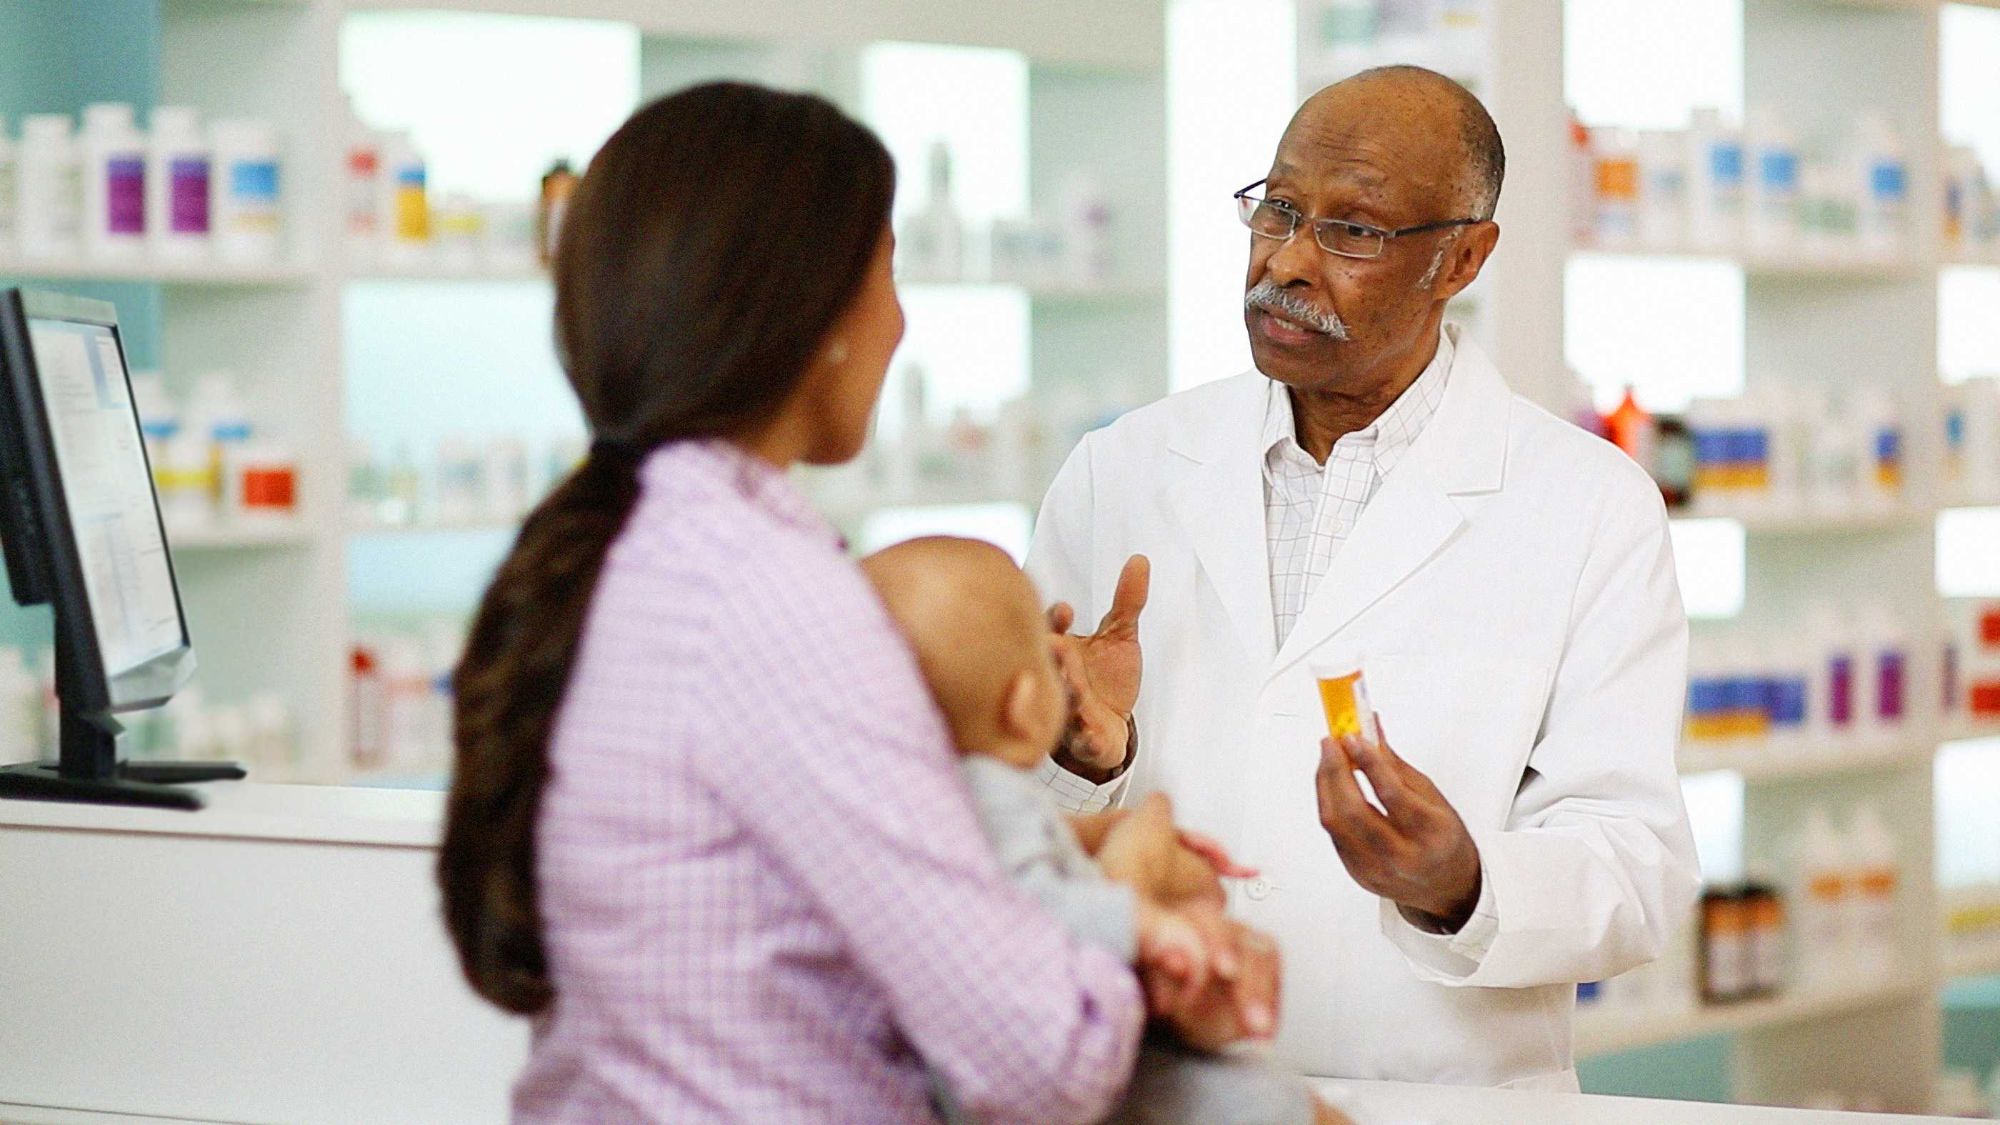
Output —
<point x="1416" y="851"/>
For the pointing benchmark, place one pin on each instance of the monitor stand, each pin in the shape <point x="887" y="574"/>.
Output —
<point x="89" y="772"/>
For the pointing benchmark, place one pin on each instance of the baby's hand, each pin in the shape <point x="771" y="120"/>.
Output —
<point x="1141" y="849"/>
<point x="1174" y="962"/>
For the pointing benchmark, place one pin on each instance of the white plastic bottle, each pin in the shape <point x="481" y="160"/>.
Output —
<point x="361" y="172"/>
<point x="9" y="180"/>
<point x="113" y="156"/>
<point x="246" y="210"/>
<point x="1832" y="702"/>
<point x="179" y="184"/>
<point x="1885" y="671"/>
<point x="1883" y="175"/>
<point x="221" y="419"/>
<point x="1773" y="151"/>
<point x="1835" y="456"/>
<point x="1879" y="431"/>
<point x="932" y="241"/>
<point x="1715" y="182"/>
<point x="1877" y="880"/>
<point x="1663" y="188"/>
<point x="1617" y="164"/>
<point x="1788" y="690"/>
<point x="404" y="202"/>
<point x="1980" y="448"/>
<point x="1823" y="902"/>
<point x="50" y="189"/>
<point x="20" y="708"/>
<point x="1785" y="440"/>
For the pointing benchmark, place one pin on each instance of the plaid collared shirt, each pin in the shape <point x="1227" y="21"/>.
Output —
<point x="1310" y="509"/>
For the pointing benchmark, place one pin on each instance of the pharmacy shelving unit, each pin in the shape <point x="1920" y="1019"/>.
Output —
<point x="269" y="604"/>
<point x="1839" y="320"/>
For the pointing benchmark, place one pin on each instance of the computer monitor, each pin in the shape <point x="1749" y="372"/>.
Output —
<point x="82" y="532"/>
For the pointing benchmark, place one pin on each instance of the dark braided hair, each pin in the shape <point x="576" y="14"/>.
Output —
<point x="715" y="241"/>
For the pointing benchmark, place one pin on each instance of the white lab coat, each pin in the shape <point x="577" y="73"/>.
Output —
<point x="1510" y="593"/>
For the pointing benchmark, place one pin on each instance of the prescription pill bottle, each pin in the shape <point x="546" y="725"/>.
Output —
<point x="1344" y="694"/>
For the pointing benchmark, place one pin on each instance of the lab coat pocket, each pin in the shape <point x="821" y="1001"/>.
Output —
<point x="1467" y="721"/>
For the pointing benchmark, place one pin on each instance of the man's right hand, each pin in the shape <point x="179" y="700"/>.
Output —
<point x="1103" y="672"/>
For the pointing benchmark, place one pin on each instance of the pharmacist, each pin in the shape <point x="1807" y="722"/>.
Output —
<point x="1373" y="495"/>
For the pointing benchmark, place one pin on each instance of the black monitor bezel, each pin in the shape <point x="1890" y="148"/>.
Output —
<point x="91" y="688"/>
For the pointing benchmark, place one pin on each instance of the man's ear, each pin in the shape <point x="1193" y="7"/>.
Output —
<point x="1021" y="705"/>
<point x="1467" y="257"/>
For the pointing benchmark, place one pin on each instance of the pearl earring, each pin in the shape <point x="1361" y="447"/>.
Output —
<point x="836" y="353"/>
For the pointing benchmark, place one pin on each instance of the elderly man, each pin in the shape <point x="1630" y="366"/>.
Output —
<point x="1373" y="496"/>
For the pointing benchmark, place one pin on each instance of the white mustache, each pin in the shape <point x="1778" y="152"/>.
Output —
<point x="1271" y="297"/>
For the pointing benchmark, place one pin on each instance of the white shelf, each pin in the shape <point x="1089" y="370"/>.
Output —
<point x="843" y="511"/>
<point x="1964" y="955"/>
<point x="434" y="527"/>
<point x="1962" y="499"/>
<point x="1050" y="292"/>
<point x="1601" y="1031"/>
<point x="1126" y="36"/>
<point x="1758" y="761"/>
<point x="1967" y="729"/>
<point x="444" y="271"/>
<point x="240" y="536"/>
<point x="149" y="270"/>
<point x="1812" y="523"/>
<point x="1797" y="267"/>
<point x="1981" y="960"/>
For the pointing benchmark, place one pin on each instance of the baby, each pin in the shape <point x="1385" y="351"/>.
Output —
<point x="975" y="624"/>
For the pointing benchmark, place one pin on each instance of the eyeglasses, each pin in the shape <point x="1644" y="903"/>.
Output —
<point x="1335" y="236"/>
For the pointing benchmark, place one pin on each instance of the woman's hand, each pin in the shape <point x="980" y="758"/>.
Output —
<point x="1103" y="671"/>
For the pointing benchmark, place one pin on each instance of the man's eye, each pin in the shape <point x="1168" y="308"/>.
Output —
<point x="1354" y="230"/>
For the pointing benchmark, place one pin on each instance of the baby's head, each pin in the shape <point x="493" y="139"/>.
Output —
<point x="976" y="626"/>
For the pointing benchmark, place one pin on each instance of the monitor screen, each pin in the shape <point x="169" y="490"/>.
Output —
<point x="108" y="490"/>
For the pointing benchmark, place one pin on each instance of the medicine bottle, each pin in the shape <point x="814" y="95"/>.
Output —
<point x="179" y="183"/>
<point x="114" y="182"/>
<point x="246" y="205"/>
<point x="50" y="189"/>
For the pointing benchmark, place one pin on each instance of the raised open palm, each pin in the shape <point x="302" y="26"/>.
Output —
<point x="1104" y="667"/>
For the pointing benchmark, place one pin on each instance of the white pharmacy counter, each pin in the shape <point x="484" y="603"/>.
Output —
<point x="278" y="957"/>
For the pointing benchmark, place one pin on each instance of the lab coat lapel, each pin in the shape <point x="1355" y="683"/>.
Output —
<point x="1414" y="516"/>
<point x="1216" y="488"/>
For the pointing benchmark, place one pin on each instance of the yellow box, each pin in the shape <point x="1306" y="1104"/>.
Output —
<point x="1344" y="694"/>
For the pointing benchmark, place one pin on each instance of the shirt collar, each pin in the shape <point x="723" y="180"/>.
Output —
<point x="1390" y="435"/>
<point x="714" y="464"/>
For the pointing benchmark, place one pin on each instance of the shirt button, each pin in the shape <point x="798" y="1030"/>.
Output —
<point x="1259" y="889"/>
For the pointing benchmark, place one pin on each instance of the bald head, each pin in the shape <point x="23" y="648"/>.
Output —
<point x="975" y="623"/>
<point x="1420" y="107"/>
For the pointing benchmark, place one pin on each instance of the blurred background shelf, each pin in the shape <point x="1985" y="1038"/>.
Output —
<point x="1758" y="761"/>
<point x="1793" y="267"/>
<point x="1604" y="1031"/>
<point x="444" y="271"/>
<point x="146" y="270"/>
<point x="241" y="536"/>
<point x="1798" y="523"/>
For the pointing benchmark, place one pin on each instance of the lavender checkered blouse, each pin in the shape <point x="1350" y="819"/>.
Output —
<point x="765" y="894"/>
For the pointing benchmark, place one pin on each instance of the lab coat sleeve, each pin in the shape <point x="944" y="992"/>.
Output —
<point x="1059" y="561"/>
<point x="1595" y="871"/>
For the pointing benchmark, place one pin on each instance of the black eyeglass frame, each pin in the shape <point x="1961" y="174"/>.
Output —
<point x="1321" y="224"/>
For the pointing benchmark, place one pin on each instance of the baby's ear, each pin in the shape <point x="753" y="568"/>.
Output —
<point x="1022" y="704"/>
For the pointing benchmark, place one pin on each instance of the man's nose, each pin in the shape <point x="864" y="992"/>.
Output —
<point x="1296" y="258"/>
